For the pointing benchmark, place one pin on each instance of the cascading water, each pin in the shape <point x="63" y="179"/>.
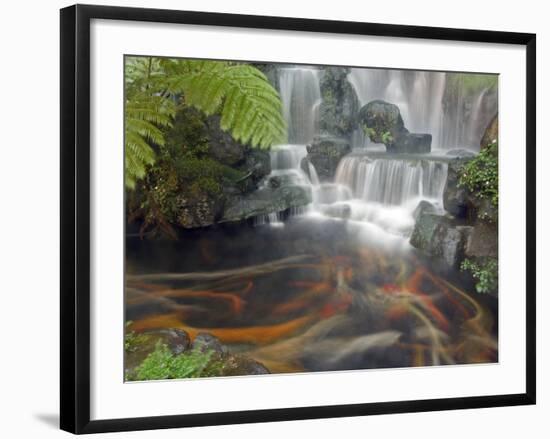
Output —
<point x="392" y="181"/>
<point x="301" y="96"/>
<point x="430" y="102"/>
<point x="373" y="189"/>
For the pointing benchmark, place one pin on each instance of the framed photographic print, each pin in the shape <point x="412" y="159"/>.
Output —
<point x="284" y="218"/>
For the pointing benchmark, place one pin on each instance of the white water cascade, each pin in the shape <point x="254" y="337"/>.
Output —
<point x="301" y="97"/>
<point x="374" y="192"/>
<point x="428" y="104"/>
<point x="392" y="181"/>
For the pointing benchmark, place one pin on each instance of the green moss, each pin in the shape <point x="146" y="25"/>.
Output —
<point x="471" y="83"/>
<point x="162" y="364"/>
<point x="485" y="273"/>
<point x="480" y="175"/>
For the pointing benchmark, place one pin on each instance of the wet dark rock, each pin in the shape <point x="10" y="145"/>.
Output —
<point x="205" y="342"/>
<point x="412" y="143"/>
<point x="266" y="200"/>
<point x="423" y="207"/>
<point x="382" y="122"/>
<point x="339" y="105"/>
<point x="222" y="146"/>
<point x="482" y="241"/>
<point x="324" y="154"/>
<point x="456" y="199"/>
<point x="198" y="210"/>
<point x="440" y="237"/>
<point x="275" y="182"/>
<point x="258" y="164"/>
<point x="238" y="365"/>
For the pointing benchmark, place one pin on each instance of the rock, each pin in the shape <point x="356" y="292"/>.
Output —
<point x="382" y="122"/>
<point x="482" y="241"/>
<point x="460" y="153"/>
<point x="222" y="146"/>
<point x="274" y="182"/>
<point x="205" y="342"/>
<point x="176" y="340"/>
<point x="412" y="143"/>
<point x="456" y="199"/>
<point x="423" y="207"/>
<point x="266" y="200"/>
<point x="258" y="163"/>
<point x="198" y="210"/>
<point x="439" y="237"/>
<point x="491" y="133"/>
<point x="462" y="203"/>
<point x="339" y="105"/>
<point x="239" y="365"/>
<point x="324" y="154"/>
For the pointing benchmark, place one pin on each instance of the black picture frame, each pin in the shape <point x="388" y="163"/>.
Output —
<point x="75" y="217"/>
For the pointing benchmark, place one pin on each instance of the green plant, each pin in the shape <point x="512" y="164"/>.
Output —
<point x="162" y="364"/>
<point x="480" y="175"/>
<point x="387" y="137"/>
<point x="485" y="273"/>
<point x="250" y="108"/>
<point x="131" y="339"/>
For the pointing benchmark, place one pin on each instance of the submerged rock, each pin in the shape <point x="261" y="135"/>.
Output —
<point x="324" y="154"/>
<point x="382" y="123"/>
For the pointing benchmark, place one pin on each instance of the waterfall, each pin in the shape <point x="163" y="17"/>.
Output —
<point x="375" y="191"/>
<point x="392" y="181"/>
<point x="301" y="96"/>
<point x="429" y="103"/>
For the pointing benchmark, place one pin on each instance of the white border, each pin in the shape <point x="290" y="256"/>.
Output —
<point x="111" y="398"/>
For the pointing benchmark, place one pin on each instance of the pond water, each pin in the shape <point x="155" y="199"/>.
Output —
<point x="315" y="294"/>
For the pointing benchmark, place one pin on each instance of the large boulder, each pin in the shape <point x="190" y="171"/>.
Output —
<point x="339" y="105"/>
<point x="382" y="122"/>
<point x="324" y="154"/>
<point x="266" y="200"/>
<point x="439" y="237"/>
